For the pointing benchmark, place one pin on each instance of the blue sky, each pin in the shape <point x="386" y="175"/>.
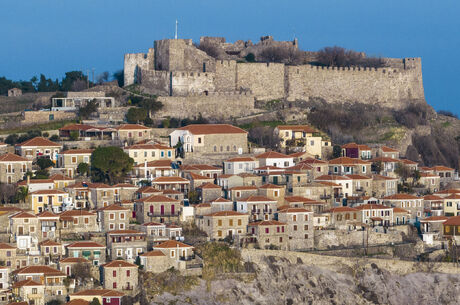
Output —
<point x="55" y="36"/>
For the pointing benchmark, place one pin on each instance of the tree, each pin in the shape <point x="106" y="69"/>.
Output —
<point x="103" y="77"/>
<point x="44" y="163"/>
<point x="95" y="301"/>
<point x="120" y="77"/>
<point x="82" y="272"/>
<point x="70" y="78"/>
<point x="336" y="151"/>
<point x="74" y="135"/>
<point x="41" y="174"/>
<point x="193" y="197"/>
<point x="7" y="193"/>
<point x="377" y="167"/>
<point x="83" y="169"/>
<point x="110" y="164"/>
<point x="12" y="139"/>
<point x="403" y="171"/>
<point x="54" y="302"/>
<point x="86" y="111"/>
<point x="136" y="115"/>
<point x="54" y="137"/>
<point x="340" y="57"/>
<point x="151" y="105"/>
<point x="22" y="193"/>
<point x="250" y="57"/>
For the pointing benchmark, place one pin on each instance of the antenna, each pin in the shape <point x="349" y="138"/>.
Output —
<point x="175" y="34"/>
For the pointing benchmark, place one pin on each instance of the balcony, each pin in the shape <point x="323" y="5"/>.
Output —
<point x="267" y="211"/>
<point x="255" y="211"/>
<point x="324" y="197"/>
<point x="149" y="214"/>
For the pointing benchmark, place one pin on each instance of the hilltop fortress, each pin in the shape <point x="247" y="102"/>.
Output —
<point x="180" y="72"/>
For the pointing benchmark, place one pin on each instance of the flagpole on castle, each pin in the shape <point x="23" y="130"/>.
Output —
<point x="175" y="34"/>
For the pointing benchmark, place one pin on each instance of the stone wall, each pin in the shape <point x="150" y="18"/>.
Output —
<point x="37" y="117"/>
<point x="215" y="106"/>
<point x="225" y="79"/>
<point x="264" y="80"/>
<point x="155" y="82"/>
<point x="133" y="62"/>
<point x="189" y="83"/>
<point x="326" y="239"/>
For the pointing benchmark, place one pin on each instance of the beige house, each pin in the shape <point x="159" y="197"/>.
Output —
<point x="238" y="165"/>
<point x="219" y="225"/>
<point x="69" y="265"/>
<point x="431" y="182"/>
<point x="102" y="195"/>
<point x="78" y="221"/>
<point x="89" y="250"/>
<point x="452" y="205"/>
<point x="142" y="153"/>
<point x="113" y="217"/>
<point x="300" y="229"/>
<point x="349" y="166"/>
<point x="446" y="174"/>
<point x="376" y="214"/>
<point x="211" y="139"/>
<point x="51" y="278"/>
<point x="29" y="291"/>
<point x="70" y="159"/>
<point x="342" y="216"/>
<point x="362" y="185"/>
<point x="152" y="169"/>
<point x="240" y="192"/>
<point x="269" y="233"/>
<point x="208" y="192"/>
<point x="38" y="147"/>
<point x="387" y="152"/>
<point x="304" y="136"/>
<point x="274" y="192"/>
<point x="133" y="133"/>
<point x="257" y="207"/>
<point x="383" y="186"/>
<point x="25" y="230"/>
<point x="169" y="254"/>
<point x="120" y="275"/>
<point x="411" y="203"/>
<point x="158" y="208"/>
<point x="13" y="168"/>
<point x="126" y="244"/>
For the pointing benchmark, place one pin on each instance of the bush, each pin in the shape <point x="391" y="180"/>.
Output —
<point x="219" y="258"/>
<point x="54" y="137"/>
<point x="250" y="57"/>
<point x="448" y="113"/>
<point x="86" y="111"/>
<point x="74" y="135"/>
<point x="136" y="115"/>
<point x="341" y="57"/>
<point x="281" y="54"/>
<point x="44" y="163"/>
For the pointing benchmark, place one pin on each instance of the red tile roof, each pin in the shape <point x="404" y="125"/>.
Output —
<point x="119" y="264"/>
<point x="85" y="244"/>
<point x="435" y="219"/>
<point x="99" y="292"/>
<point x="27" y="282"/>
<point x="388" y="149"/>
<point x="170" y="180"/>
<point x="301" y="128"/>
<point x="343" y="209"/>
<point x="77" y="152"/>
<point x="39" y="141"/>
<point x="148" y="146"/>
<point x="442" y="169"/>
<point x="400" y="210"/>
<point x="46" y="270"/>
<point x="255" y="198"/>
<point x="172" y="244"/>
<point x="401" y="197"/>
<point x="156" y="163"/>
<point x="270" y="186"/>
<point x="267" y="223"/>
<point x="48" y="192"/>
<point x="132" y="127"/>
<point x="74" y="260"/>
<point x="273" y="155"/>
<point x="4" y="246"/>
<point x="453" y="221"/>
<point x="240" y="159"/>
<point x="294" y="210"/>
<point x="209" y="186"/>
<point x="372" y="207"/>
<point x="203" y="129"/>
<point x="113" y="207"/>
<point x="153" y="253"/>
<point x="157" y="198"/>
<point x="12" y="158"/>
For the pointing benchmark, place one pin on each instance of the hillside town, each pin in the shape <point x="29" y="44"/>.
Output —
<point x="77" y="232"/>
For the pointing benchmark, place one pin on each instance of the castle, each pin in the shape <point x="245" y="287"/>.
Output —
<point x="178" y="71"/>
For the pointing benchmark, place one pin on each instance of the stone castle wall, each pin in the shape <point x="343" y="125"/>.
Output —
<point x="264" y="80"/>
<point x="136" y="61"/>
<point x="190" y="83"/>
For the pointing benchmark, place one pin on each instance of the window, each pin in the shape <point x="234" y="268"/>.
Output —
<point x="128" y="273"/>
<point x="305" y="227"/>
<point x="275" y="193"/>
<point x="114" y="285"/>
<point x="86" y="220"/>
<point x="306" y="217"/>
<point x="267" y="230"/>
<point x="140" y="133"/>
<point x="40" y="199"/>
<point x="294" y="217"/>
<point x="230" y="222"/>
<point x="295" y="228"/>
<point x="34" y="290"/>
<point x="219" y="222"/>
<point x="111" y="216"/>
<point x="219" y="233"/>
<point x="306" y="236"/>
<point x="122" y="215"/>
<point x="135" y="154"/>
<point x="199" y="140"/>
<point x="239" y="222"/>
<point x="114" y="273"/>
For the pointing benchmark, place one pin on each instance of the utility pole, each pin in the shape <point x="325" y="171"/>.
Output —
<point x="175" y="34"/>
<point x="87" y="78"/>
<point x="93" y="75"/>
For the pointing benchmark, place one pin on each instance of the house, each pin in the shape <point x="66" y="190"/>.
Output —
<point x="276" y="159"/>
<point x="51" y="251"/>
<point x="341" y="216"/>
<point x="362" y="185"/>
<point x="80" y="194"/>
<point x="49" y="200"/>
<point x="200" y="169"/>
<point x="452" y="205"/>
<point x="142" y="153"/>
<point x="349" y="166"/>
<point x="221" y="204"/>
<point x="89" y="250"/>
<point x="353" y="150"/>
<point x="300" y="156"/>
<point x="72" y="101"/>
<point x="25" y="230"/>
<point x="302" y="202"/>
<point x="257" y="207"/>
<point x="53" y="279"/>
<point x="169" y="254"/>
<point x="432" y="225"/>
<point x="387" y="152"/>
<point x="158" y="208"/>
<point x="70" y="265"/>
<point x="155" y="232"/>
<point x="78" y="221"/>
<point x="29" y="291"/>
<point x="430" y="182"/>
<point x="208" y="192"/>
<point x="344" y="182"/>
<point x="451" y="228"/>
<point x="133" y="133"/>
<point x="126" y="244"/>
<point x="228" y="181"/>
<point x="102" y="194"/>
<point x="49" y="225"/>
<point x="4" y="280"/>
<point x="38" y="147"/>
<point x="113" y="217"/>
<point x="238" y="165"/>
<point x="388" y="165"/>
<point x="70" y="159"/>
<point x="61" y="181"/>
<point x="376" y="214"/>
<point x="197" y="180"/>
<point x="240" y="192"/>
<point x="14" y="92"/>
<point x="300" y="229"/>
<point x="383" y="186"/>
<point x="33" y="185"/>
<point x="88" y="132"/>
<point x="268" y="234"/>
<point x="153" y="169"/>
<point x="274" y="192"/>
<point x="210" y="139"/>
<point x="125" y="191"/>
<point x="319" y="167"/>
<point x="433" y="205"/>
<point x="8" y="255"/>
<point x="411" y="203"/>
<point x="155" y="261"/>
<point x="220" y="225"/>
<point x="104" y="296"/>
<point x="302" y="136"/>
<point x="121" y="276"/>
<point x="446" y="174"/>
<point x="171" y="183"/>
<point x="13" y="168"/>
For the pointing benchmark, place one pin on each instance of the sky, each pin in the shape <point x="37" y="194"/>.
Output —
<point x="56" y="36"/>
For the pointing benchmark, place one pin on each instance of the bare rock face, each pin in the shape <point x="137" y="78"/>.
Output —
<point x="277" y="281"/>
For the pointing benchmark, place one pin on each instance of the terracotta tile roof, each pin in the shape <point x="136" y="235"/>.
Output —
<point x="270" y="167"/>
<point x="209" y="186"/>
<point x="241" y="159"/>
<point x="297" y="199"/>
<point x="401" y="197"/>
<point x="156" y="163"/>
<point x="157" y="198"/>
<point x="153" y="253"/>
<point x="119" y="264"/>
<point x="342" y="209"/>
<point x="358" y="177"/>
<point x="48" y="192"/>
<point x="442" y="168"/>
<point x="449" y="191"/>
<point x="300" y="166"/>
<point x="195" y="176"/>
<point x="148" y="146"/>
<point x="148" y="190"/>
<point x="74" y="260"/>
<point x="28" y="282"/>
<point x="99" y="186"/>
<point x="45" y="270"/>
<point x="170" y="180"/>
<point x="39" y="141"/>
<point x="203" y="205"/>
<point x="255" y="198"/>
<point x="47" y="214"/>
<point x="385" y="160"/>
<point x="77" y="152"/>
<point x="24" y="215"/>
<point x="400" y="210"/>
<point x="125" y="232"/>
<point x="77" y="302"/>
<point x="59" y="177"/>
<point x="125" y="185"/>
<point x="244" y="188"/>
<point x="172" y="244"/>
<point x="358" y="146"/>
<point x="270" y="186"/>
<point x="301" y="128"/>
<point x="132" y="127"/>
<point x="225" y="176"/>
<point x="293" y="210"/>
<point x="347" y="161"/>
<point x="408" y="162"/>
<point x="388" y="149"/>
<point x="71" y="127"/>
<point x="427" y="175"/>
<point x="267" y="223"/>
<point x="380" y="177"/>
<point x="221" y="200"/>
<point x="75" y="213"/>
<point x="171" y="192"/>
<point x="453" y="221"/>
<point x="153" y="224"/>
<point x="372" y="207"/>
<point x="99" y="292"/>
<point x="453" y="196"/>
<point x="203" y="129"/>
<point x="49" y="243"/>
<point x="4" y="246"/>
<point x="314" y="161"/>
<point x="12" y="158"/>
<point x="435" y="219"/>
<point x="327" y="183"/>
<point x="36" y="181"/>
<point x="331" y="178"/>
<point x="226" y="213"/>
<point x="432" y="197"/>
<point x="272" y="155"/>
<point x="196" y="167"/>
<point x="113" y="207"/>
<point x="85" y="244"/>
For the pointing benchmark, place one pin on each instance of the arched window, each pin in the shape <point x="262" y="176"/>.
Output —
<point x="215" y="148"/>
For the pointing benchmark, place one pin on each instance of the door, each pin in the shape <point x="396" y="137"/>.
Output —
<point x="275" y="180"/>
<point x="67" y="270"/>
<point x="20" y="231"/>
<point x="162" y="210"/>
<point x="172" y="209"/>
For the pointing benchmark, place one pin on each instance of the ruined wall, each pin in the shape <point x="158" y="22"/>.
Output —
<point x="190" y="83"/>
<point x="389" y="87"/>
<point x="225" y="79"/>
<point x="136" y="61"/>
<point x="155" y="82"/>
<point x="264" y="80"/>
<point x="214" y="106"/>
<point x="36" y="117"/>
